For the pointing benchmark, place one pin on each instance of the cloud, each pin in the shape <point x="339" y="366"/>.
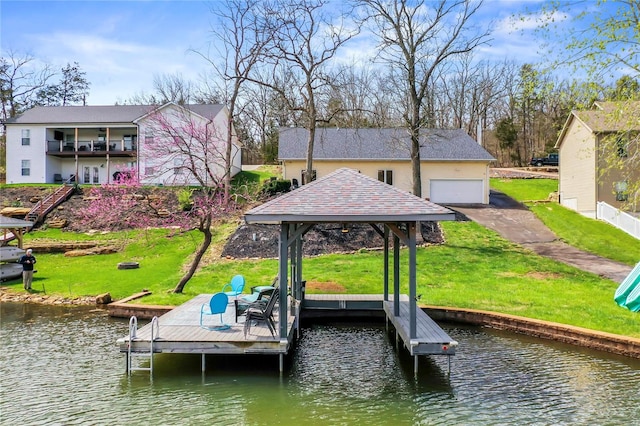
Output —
<point x="528" y="22"/>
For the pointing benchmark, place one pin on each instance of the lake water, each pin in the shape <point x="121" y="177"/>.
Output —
<point x="61" y="366"/>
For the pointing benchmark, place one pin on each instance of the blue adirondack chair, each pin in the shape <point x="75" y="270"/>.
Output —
<point x="217" y="306"/>
<point x="235" y="287"/>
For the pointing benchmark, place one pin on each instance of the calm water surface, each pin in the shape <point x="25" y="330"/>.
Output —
<point x="61" y="366"/>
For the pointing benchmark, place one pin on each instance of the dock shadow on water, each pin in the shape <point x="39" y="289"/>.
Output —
<point x="61" y="366"/>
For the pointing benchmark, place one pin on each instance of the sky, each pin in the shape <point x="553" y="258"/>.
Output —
<point x="121" y="45"/>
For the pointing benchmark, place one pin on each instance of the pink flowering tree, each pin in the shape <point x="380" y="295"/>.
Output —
<point x="186" y="149"/>
<point x="115" y="206"/>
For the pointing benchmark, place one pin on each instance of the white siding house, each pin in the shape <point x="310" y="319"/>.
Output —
<point x="91" y="143"/>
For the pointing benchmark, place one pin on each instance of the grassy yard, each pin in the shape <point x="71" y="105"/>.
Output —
<point x="475" y="268"/>
<point x="591" y="235"/>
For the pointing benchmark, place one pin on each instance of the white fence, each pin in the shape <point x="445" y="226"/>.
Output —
<point x="619" y="219"/>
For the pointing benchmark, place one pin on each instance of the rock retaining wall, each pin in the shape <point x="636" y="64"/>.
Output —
<point x="621" y="345"/>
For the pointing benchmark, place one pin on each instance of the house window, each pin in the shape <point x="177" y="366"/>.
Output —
<point x="178" y="166"/>
<point x="305" y="180"/>
<point x="620" y="188"/>
<point x="622" y="145"/>
<point x="26" y="167"/>
<point x="150" y="170"/>
<point x="26" y="137"/>
<point x="385" y="176"/>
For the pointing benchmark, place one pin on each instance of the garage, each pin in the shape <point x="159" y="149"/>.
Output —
<point x="456" y="191"/>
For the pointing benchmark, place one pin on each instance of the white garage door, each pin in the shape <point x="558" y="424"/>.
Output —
<point x="456" y="191"/>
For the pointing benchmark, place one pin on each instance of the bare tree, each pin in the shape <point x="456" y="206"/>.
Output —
<point x="20" y="81"/>
<point x="167" y="88"/>
<point x="417" y="37"/>
<point x="352" y="97"/>
<point x="305" y="40"/>
<point x="240" y="40"/>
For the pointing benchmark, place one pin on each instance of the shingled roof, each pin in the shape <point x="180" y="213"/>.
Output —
<point x="347" y="196"/>
<point x="380" y="144"/>
<point x="10" y="222"/>
<point x="605" y="117"/>
<point x="99" y="114"/>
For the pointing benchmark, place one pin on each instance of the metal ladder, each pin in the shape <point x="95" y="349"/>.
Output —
<point x="155" y="333"/>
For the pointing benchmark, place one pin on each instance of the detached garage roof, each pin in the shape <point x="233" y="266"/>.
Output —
<point x="380" y="144"/>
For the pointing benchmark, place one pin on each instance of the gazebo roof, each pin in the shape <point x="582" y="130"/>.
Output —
<point x="347" y="196"/>
<point x="11" y="223"/>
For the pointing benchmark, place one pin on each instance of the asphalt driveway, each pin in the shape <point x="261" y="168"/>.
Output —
<point x="514" y="222"/>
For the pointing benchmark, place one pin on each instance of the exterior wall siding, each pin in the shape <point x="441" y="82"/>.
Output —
<point x="577" y="174"/>
<point x="292" y="169"/>
<point x="455" y="171"/>
<point x="402" y="176"/>
<point x="606" y="182"/>
<point x="35" y="153"/>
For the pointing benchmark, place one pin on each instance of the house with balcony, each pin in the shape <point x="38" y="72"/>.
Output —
<point x="596" y="148"/>
<point x="90" y="144"/>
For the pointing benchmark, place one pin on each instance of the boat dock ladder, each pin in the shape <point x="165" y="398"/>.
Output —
<point x="131" y="354"/>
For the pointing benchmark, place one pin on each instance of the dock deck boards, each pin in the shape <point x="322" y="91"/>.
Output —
<point x="430" y="338"/>
<point x="180" y="332"/>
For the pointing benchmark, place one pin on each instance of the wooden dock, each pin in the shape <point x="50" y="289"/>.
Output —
<point x="180" y="332"/>
<point x="430" y="338"/>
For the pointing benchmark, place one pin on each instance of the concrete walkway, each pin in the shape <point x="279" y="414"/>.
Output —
<point x="514" y="222"/>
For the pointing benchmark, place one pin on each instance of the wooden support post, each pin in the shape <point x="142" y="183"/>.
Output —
<point x="281" y="363"/>
<point x="396" y="275"/>
<point x="203" y="363"/>
<point x="415" y="365"/>
<point x="411" y="229"/>
<point x="299" y="267"/>
<point x="284" y="278"/>
<point x="386" y="263"/>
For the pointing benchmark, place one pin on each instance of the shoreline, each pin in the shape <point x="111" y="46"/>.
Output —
<point x="577" y="336"/>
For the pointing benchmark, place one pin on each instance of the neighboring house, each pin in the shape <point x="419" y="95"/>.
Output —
<point x="585" y="142"/>
<point x="92" y="143"/>
<point x="454" y="167"/>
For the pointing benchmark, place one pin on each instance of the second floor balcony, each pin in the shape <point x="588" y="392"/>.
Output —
<point x="92" y="148"/>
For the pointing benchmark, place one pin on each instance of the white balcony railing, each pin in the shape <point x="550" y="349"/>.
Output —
<point x="91" y="146"/>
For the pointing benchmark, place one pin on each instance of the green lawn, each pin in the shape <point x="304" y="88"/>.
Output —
<point x="474" y="268"/>
<point x="591" y="235"/>
<point x="525" y="189"/>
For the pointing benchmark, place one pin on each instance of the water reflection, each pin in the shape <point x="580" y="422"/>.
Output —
<point x="61" y="366"/>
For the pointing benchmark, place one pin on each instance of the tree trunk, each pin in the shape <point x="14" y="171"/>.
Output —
<point x="206" y="230"/>
<point x="415" y="163"/>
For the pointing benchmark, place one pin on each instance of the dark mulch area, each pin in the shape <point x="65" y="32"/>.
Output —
<point x="261" y="241"/>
